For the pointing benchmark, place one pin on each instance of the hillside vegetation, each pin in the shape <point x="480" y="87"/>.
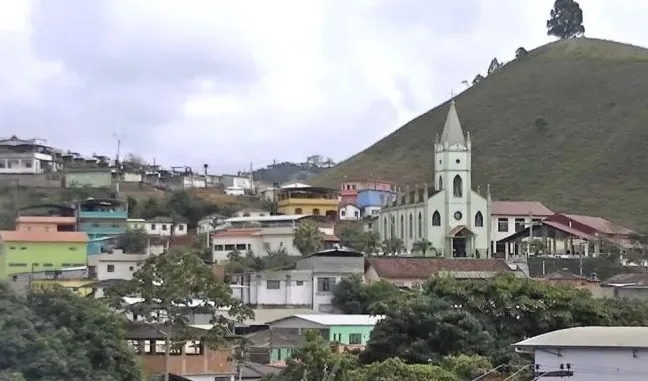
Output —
<point x="566" y="125"/>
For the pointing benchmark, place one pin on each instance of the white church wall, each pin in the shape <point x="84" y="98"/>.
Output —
<point x="482" y="239"/>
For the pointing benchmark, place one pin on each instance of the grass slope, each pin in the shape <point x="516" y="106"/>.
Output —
<point x="566" y="125"/>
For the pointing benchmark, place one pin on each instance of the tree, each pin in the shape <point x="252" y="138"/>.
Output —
<point x="134" y="160"/>
<point x="565" y="20"/>
<point x="315" y="360"/>
<point x="424" y="329"/>
<point x="354" y="237"/>
<point x="55" y="335"/>
<point x="308" y="238"/>
<point x="520" y="52"/>
<point x="395" y="369"/>
<point x="494" y="65"/>
<point x="393" y="246"/>
<point x="173" y="286"/>
<point x="478" y="78"/>
<point x="352" y="296"/>
<point x="133" y="241"/>
<point x="423" y="245"/>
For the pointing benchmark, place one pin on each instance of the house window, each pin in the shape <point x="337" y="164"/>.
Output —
<point x="411" y="227"/>
<point x="2" y="164"/>
<point x="194" y="347"/>
<point x="355" y="213"/>
<point x="402" y="227"/>
<point x="28" y="164"/>
<point x="436" y="218"/>
<point x="180" y="227"/>
<point x="440" y="183"/>
<point x="479" y="220"/>
<point x="299" y="283"/>
<point x="502" y="225"/>
<point x="457" y="186"/>
<point x="164" y="227"/>
<point x="519" y="224"/>
<point x="230" y="247"/>
<point x="72" y="248"/>
<point x="110" y="268"/>
<point x="355" y="338"/>
<point x="14" y="264"/>
<point x="273" y="285"/>
<point x="316" y="212"/>
<point x="152" y="226"/>
<point x="241" y="246"/>
<point x="266" y="246"/>
<point x="385" y="227"/>
<point x="218" y="247"/>
<point x="325" y="284"/>
<point x="12" y="247"/>
<point x="131" y="268"/>
<point x="342" y="213"/>
<point x="135" y="346"/>
<point x="420" y="225"/>
<point x="23" y="248"/>
<point x="298" y="210"/>
<point x="95" y="225"/>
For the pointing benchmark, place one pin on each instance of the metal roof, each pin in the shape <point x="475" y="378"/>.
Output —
<point x="590" y="337"/>
<point x="337" y="319"/>
<point x="285" y="217"/>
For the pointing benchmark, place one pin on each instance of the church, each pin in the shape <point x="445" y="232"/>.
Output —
<point x="454" y="218"/>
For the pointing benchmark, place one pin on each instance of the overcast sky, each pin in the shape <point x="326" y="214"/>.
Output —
<point x="229" y="82"/>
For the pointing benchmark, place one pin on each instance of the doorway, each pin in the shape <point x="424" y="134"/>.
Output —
<point x="459" y="247"/>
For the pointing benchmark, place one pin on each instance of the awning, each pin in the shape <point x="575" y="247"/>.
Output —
<point x="459" y="229"/>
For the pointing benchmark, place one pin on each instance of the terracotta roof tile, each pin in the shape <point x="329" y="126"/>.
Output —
<point x="423" y="268"/>
<point x="37" y="236"/>
<point x="46" y="220"/>
<point x="520" y="208"/>
<point x="600" y="224"/>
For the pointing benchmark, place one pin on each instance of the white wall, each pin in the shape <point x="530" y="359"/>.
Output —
<point x="235" y="191"/>
<point x="260" y="242"/>
<point x="28" y="162"/>
<point x="164" y="229"/>
<point x="295" y="288"/>
<point x="349" y="213"/>
<point x="599" y="364"/>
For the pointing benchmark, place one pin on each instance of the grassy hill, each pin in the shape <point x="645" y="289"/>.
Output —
<point x="566" y="125"/>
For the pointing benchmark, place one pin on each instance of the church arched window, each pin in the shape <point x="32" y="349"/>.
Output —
<point x="436" y="218"/>
<point x="440" y="183"/>
<point x="393" y="227"/>
<point x="402" y="227"/>
<point x="420" y="225"/>
<point x="479" y="220"/>
<point x="457" y="186"/>
<point x="411" y="227"/>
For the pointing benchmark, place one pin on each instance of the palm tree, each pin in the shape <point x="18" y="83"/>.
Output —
<point x="308" y="238"/>
<point x="393" y="246"/>
<point x="423" y="246"/>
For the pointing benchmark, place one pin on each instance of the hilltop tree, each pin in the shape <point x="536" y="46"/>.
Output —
<point x="565" y="20"/>
<point x="308" y="238"/>
<point x="520" y="52"/>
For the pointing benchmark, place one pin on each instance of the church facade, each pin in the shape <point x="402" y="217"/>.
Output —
<point x="454" y="218"/>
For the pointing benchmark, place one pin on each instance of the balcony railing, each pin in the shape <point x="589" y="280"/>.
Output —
<point x="102" y="229"/>
<point x="116" y="214"/>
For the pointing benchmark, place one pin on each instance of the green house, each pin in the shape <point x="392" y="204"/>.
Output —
<point x="337" y="328"/>
<point x="37" y="251"/>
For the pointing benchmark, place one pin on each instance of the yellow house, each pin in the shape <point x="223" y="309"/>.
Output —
<point x="308" y="200"/>
<point x="82" y="287"/>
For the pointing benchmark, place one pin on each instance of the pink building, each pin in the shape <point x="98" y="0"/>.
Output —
<point x="349" y="189"/>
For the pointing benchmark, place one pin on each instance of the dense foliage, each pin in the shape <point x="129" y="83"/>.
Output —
<point x="565" y="20"/>
<point x="317" y="360"/>
<point x="484" y="317"/>
<point x="57" y="336"/>
<point x="308" y="238"/>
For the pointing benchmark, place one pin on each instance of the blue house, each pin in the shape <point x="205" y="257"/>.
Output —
<point x="374" y="198"/>
<point x="101" y="219"/>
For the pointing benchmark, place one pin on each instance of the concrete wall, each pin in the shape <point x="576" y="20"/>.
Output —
<point x="600" y="364"/>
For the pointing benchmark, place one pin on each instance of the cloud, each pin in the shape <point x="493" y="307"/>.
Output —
<point x="228" y="83"/>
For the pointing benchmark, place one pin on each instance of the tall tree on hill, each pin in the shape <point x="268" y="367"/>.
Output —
<point x="565" y="20"/>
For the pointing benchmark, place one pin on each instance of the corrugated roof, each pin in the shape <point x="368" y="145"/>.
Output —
<point x="600" y="224"/>
<point x="627" y="279"/>
<point x="567" y="229"/>
<point x="285" y="217"/>
<point x="46" y="220"/>
<point x="235" y="233"/>
<point x="423" y="268"/>
<point x="37" y="236"/>
<point x="340" y="319"/>
<point x="520" y="208"/>
<point x="590" y="337"/>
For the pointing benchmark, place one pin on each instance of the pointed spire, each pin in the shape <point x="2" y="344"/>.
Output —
<point x="452" y="132"/>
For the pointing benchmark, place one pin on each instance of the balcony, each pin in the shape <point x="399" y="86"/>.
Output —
<point x="102" y="229"/>
<point x="116" y="214"/>
<point x="333" y="203"/>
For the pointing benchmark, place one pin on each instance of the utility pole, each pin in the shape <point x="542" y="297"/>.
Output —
<point x="205" y="166"/>
<point x="117" y="162"/>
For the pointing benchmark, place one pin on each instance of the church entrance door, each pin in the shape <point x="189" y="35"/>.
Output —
<point x="459" y="247"/>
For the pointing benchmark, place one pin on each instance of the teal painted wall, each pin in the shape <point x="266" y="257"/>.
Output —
<point x="340" y="334"/>
<point x="280" y="354"/>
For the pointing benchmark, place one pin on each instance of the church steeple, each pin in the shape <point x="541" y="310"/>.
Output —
<point x="452" y="132"/>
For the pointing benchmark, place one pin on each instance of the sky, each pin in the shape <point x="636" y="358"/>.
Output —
<point x="229" y="83"/>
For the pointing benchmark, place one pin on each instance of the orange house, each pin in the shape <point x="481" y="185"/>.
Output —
<point x="194" y="358"/>
<point x="46" y="224"/>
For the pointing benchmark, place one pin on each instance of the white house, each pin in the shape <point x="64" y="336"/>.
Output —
<point x="310" y="285"/>
<point x="450" y="215"/>
<point x="589" y="353"/>
<point x="348" y="212"/>
<point x="509" y="217"/>
<point x="248" y="212"/>
<point x="159" y="226"/>
<point x="32" y="156"/>
<point x="235" y="191"/>
<point x="237" y="181"/>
